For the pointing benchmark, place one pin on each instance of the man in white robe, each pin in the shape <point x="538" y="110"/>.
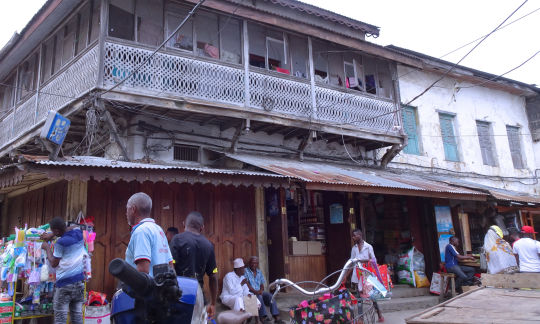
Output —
<point x="235" y="288"/>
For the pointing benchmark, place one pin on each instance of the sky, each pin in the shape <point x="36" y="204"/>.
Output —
<point x="432" y="27"/>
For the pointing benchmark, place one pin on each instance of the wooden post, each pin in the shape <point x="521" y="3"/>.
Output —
<point x="38" y="85"/>
<point x="262" y="240"/>
<point x="76" y="201"/>
<point x="247" y="98"/>
<point x="104" y="23"/>
<point x="465" y="232"/>
<point x="312" y="78"/>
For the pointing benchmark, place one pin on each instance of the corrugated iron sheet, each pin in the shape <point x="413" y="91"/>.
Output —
<point x="100" y="162"/>
<point x="319" y="172"/>
<point x="497" y="193"/>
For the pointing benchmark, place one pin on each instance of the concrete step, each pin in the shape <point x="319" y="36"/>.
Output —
<point x="405" y="291"/>
<point x="408" y="303"/>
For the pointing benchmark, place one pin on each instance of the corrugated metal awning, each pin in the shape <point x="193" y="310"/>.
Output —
<point x="340" y="177"/>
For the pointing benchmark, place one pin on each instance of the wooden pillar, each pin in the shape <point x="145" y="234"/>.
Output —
<point x="284" y="230"/>
<point x="245" y="47"/>
<point x="76" y="200"/>
<point x="262" y="240"/>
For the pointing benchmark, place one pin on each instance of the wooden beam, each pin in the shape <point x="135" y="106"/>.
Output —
<point x="100" y="105"/>
<point x="208" y="121"/>
<point x="236" y="137"/>
<point x="293" y="133"/>
<point x="511" y="281"/>
<point x="302" y="147"/>
<point x="261" y="127"/>
<point x="38" y="184"/>
<point x="76" y="199"/>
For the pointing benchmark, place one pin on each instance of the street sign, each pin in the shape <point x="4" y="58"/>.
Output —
<point x="55" y="128"/>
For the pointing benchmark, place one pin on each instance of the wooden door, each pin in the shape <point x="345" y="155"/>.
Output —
<point x="338" y="236"/>
<point x="276" y="234"/>
<point x="229" y="214"/>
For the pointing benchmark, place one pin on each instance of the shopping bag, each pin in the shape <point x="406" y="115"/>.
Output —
<point x="97" y="314"/>
<point x="421" y="279"/>
<point x="435" y="287"/>
<point x="250" y="305"/>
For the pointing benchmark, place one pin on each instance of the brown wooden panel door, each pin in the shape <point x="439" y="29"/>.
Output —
<point x="338" y="236"/>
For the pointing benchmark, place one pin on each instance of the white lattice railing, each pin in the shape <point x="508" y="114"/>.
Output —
<point x="76" y="79"/>
<point x="192" y="78"/>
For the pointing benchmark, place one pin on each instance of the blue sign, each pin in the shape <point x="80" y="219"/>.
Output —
<point x="56" y="128"/>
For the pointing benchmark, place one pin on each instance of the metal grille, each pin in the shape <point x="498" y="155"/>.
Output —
<point x="186" y="153"/>
<point x="5" y="129"/>
<point x="363" y="112"/>
<point x="173" y="74"/>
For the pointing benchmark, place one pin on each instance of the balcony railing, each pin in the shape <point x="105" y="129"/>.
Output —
<point x="69" y="84"/>
<point x="191" y="78"/>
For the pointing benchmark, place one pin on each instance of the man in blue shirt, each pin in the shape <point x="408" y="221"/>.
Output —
<point x="464" y="274"/>
<point x="255" y="283"/>
<point x="68" y="261"/>
<point x="148" y="245"/>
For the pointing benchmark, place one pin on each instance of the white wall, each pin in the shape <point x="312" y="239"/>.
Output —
<point x="477" y="103"/>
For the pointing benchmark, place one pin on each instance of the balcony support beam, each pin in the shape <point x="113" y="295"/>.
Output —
<point x="236" y="137"/>
<point x="245" y="38"/>
<point x="303" y="145"/>
<point x="100" y="105"/>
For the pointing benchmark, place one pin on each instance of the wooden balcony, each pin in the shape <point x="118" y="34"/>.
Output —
<point x="252" y="89"/>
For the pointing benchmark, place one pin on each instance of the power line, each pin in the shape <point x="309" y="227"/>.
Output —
<point x="469" y="52"/>
<point x="501" y="75"/>
<point x="189" y="15"/>
<point x="479" y="38"/>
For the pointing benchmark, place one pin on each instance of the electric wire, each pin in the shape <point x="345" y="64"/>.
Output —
<point x="465" y="56"/>
<point x="189" y="15"/>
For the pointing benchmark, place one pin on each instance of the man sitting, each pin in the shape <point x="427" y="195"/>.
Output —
<point x="255" y="283"/>
<point x="235" y="288"/>
<point x="464" y="274"/>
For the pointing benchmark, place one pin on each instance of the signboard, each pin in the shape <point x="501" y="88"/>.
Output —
<point x="445" y="228"/>
<point x="336" y="214"/>
<point x="55" y="128"/>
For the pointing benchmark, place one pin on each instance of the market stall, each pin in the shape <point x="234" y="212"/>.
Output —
<point x="27" y="279"/>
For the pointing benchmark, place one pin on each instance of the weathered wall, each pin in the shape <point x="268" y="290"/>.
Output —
<point x="478" y="103"/>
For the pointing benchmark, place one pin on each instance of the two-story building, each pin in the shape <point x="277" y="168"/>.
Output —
<point x="266" y="116"/>
<point x="474" y="130"/>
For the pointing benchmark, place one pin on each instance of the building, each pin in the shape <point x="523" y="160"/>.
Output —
<point x="273" y="118"/>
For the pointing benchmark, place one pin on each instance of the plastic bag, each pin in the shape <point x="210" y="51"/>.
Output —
<point x="20" y="261"/>
<point x="405" y="277"/>
<point x="35" y="276"/>
<point x="97" y="314"/>
<point x="418" y="262"/>
<point x="44" y="273"/>
<point x="435" y="287"/>
<point x="421" y="279"/>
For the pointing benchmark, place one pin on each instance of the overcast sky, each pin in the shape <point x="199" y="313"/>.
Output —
<point x="432" y="27"/>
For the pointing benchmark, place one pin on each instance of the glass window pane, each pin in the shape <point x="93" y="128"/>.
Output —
<point x="299" y="56"/>
<point x="207" y="33"/>
<point x="277" y="60"/>
<point x="96" y="16"/>
<point x="82" y="31"/>
<point x="320" y="61"/>
<point x="47" y="59"/>
<point x="8" y="93"/>
<point x="385" y="79"/>
<point x="184" y="38"/>
<point x="26" y="83"/>
<point x="370" y="69"/>
<point x="257" y="45"/>
<point x="150" y="22"/>
<point x="68" y="44"/>
<point x="122" y="19"/>
<point x="335" y="66"/>
<point x="58" y="50"/>
<point x="231" y="40"/>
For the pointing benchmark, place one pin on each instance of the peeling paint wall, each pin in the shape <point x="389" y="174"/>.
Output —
<point x="469" y="105"/>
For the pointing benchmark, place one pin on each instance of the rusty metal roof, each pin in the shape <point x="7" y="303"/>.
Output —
<point x="340" y="174"/>
<point x="100" y="162"/>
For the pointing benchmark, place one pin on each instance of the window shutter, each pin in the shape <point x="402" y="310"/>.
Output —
<point x="409" y="126"/>
<point x="448" y="138"/>
<point x="515" y="146"/>
<point x="486" y="144"/>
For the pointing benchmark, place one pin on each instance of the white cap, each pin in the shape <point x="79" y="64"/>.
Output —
<point x="238" y="263"/>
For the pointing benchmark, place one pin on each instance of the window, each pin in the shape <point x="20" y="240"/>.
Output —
<point x="268" y="49"/>
<point x="122" y="19"/>
<point x="7" y="94"/>
<point x="186" y="153"/>
<point x="486" y="143"/>
<point x="207" y="35"/>
<point x="385" y="79"/>
<point x="299" y="56"/>
<point x="184" y="38"/>
<point x="95" y="21"/>
<point x="448" y="137"/>
<point x="47" y="59"/>
<point x="82" y="31"/>
<point x="149" y="22"/>
<point x="354" y="74"/>
<point x="370" y="66"/>
<point x="411" y="129"/>
<point x="515" y="146"/>
<point x="231" y="40"/>
<point x="68" y="43"/>
<point x="58" y="50"/>
<point x="320" y="61"/>
<point x="27" y="77"/>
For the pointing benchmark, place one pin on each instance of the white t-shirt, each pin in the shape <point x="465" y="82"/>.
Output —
<point x="366" y="254"/>
<point x="528" y="249"/>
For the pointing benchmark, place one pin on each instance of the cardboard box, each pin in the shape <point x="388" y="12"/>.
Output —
<point x="298" y="247"/>
<point x="314" y="248"/>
